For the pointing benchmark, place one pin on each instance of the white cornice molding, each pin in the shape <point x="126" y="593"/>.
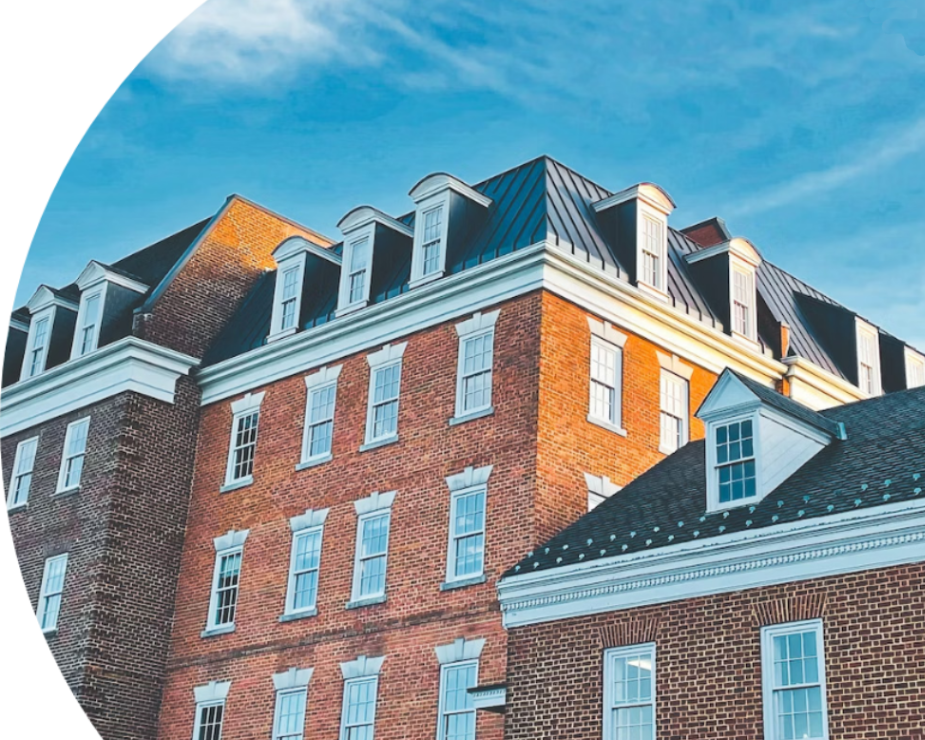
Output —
<point x="854" y="541"/>
<point x="737" y="246"/>
<point x="839" y="390"/>
<point x="96" y="272"/>
<point x="19" y="325"/>
<point x="438" y="182"/>
<point x="295" y="245"/>
<point x="44" y="297"/>
<point x="648" y="192"/>
<point x="362" y="216"/>
<point x="131" y="364"/>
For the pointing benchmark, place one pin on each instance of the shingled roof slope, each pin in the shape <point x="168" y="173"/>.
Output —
<point x="882" y="461"/>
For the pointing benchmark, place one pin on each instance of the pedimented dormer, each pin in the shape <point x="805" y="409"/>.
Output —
<point x="444" y="207"/>
<point x="52" y="314"/>
<point x="726" y="272"/>
<point x="371" y="237"/>
<point x="105" y="294"/>
<point x="292" y="257"/>
<point x="756" y="439"/>
<point x="636" y="223"/>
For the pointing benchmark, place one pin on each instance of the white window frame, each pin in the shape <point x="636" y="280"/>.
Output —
<point x="361" y="670"/>
<point x="67" y="456"/>
<point x="480" y="325"/>
<point x="45" y="594"/>
<point x="212" y="695"/>
<point x="319" y="381"/>
<point x="389" y="356"/>
<point x="915" y="368"/>
<point x="607" y="339"/>
<point x="740" y="268"/>
<point x="294" y="264"/>
<point x="25" y="456"/>
<point x="713" y="465"/>
<point x="77" y="347"/>
<point x="442" y="713"/>
<point x="611" y="655"/>
<point x="644" y="214"/>
<point x="227" y="545"/>
<point x="290" y="683"/>
<point x="441" y="201"/>
<point x="375" y="506"/>
<point x="768" y="633"/>
<point x="470" y="481"/>
<point x="600" y="488"/>
<point x="309" y="524"/>
<point x="45" y="315"/>
<point x="241" y="409"/>
<point x="666" y="379"/>
<point x="344" y="303"/>
<point x="869" y="332"/>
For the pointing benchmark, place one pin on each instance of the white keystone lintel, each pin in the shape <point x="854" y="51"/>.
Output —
<point x="311" y="518"/>
<point x="362" y="667"/>
<point x="605" y="331"/>
<point x="374" y="502"/>
<point x="214" y="691"/>
<point x="673" y="364"/>
<point x="294" y="678"/>
<point x="479" y="322"/>
<point x="458" y="650"/>
<point x="323" y="376"/>
<point x="230" y="539"/>
<point x="601" y="485"/>
<point x="129" y="365"/>
<point x="469" y="478"/>
<point x="389" y="353"/>
<point x="250" y="402"/>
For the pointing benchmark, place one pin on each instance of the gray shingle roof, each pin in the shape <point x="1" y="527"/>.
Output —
<point x="882" y="461"/>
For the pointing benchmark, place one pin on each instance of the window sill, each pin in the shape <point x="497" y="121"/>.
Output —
<point x="668" y="451"/>
<point x="293" y="616"/>
<point x="50" y="633"/>
<point x="607" y="425"/>
<point x="214" y="631"/>
<point x="462" y="583"/>
<point x="351" y="308"/>
<point x="424" y="280"/>
<point x="61" y="493"/>
<point x="369" y="601"/>
<point x="17" y="508"/>
<point x="472" y="415"/>
<point x="281" y="335"/>
<point x="306" y="464"/>
<point x="651" y="291"/>
<point x="243" y="483"/>
<point x="378" y="443"/>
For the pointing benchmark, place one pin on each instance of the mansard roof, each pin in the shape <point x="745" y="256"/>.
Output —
<point x="881" y="461"/>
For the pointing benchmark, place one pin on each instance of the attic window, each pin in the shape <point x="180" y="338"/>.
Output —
<point x="868" y="359"/>
<point x="735" y="461"/>
<point x="915" y="369"/>
<point x="38" y="347"/>
<point x="743" y="302"/>
<point x="88" y="334"/>
<point x="653" y="252"/>
<point x="292" y="266"/>
<point x="432" y="241"/>
<point x="289" y="299"/>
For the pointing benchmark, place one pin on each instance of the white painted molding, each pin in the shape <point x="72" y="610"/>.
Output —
<point x="130" y="364"/>
<point x="323" y="376"/>
<point x="488" y="697"/>
<point x="231" y="538"/>
<point x="362" y="216"/>
<point x="297" y="244"/>
<point x="601" y="485"/>
<point x="374" y="502"/>
<point x="603" y="330"/>
<point x="648" y="192"/>
<point x="311" y="518"/>
<point x="469" y="478"/>
<point x="673" y="364"/>
<point x="19" y="325"/>
<point x="818" y="388"/>
<point x="459" y="649"/>
<point x="865" y="539"/>
<point x="389" y="353"/>
<point x="96" y="272"/>
<point x="479" y="322"/>
<point x="44" y="297"/>
<point x="362" y="667"/>
<point x="250" y="402"/>
<point x="294" y="678"/>
<point x="737" y="246"/>
<point x="214" y="691"/>
<point x="438" y="182"/>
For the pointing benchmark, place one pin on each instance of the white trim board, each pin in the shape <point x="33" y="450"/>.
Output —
<point x="888" y="535"/>
<point x="541" y="265"/>
<point x="131" y="364"/>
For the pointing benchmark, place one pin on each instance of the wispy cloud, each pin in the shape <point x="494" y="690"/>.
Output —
<point x="887" y="149"/>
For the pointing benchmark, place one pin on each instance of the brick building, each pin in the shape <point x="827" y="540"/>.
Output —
<point x="766" y="582"/>
<point x="377" y="429"/>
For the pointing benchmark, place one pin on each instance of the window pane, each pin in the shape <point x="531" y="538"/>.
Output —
<point x="290" y="715"/>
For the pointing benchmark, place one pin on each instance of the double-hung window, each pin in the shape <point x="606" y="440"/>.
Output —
<point x="321" y="387"/>
<point x="653" y="251"/>
<point x="358" y="715"/>
<point x="868" y="359"/>
<point x="359" y="266"/>
<point x="476" y="357"/>
<point x="735" y="461"/>
<point x="915" y="369"/>
<point x="49" y="606"/>
<point x="305" y="563"/>
<point x="23" y="464"/>
<point x="89" y="325"/>
<point x="457" y="711"/>
<point x="673" y="415"/>
<point x="289" y="299"/>
<point x="226" y="580"/>
<point x="629" y="693"/>
<point x="210" y="710"/>
<point x="374" y="518"/>
<point x="243" y="445"/>
<point x="432" y="241"/>
<point x="743" y="302"/>
<point x="466" y="548"/>
<point x="72" y="461"/>
<point x="793" y="673"/>
<point x="38" y="347"/>
<point x="606" y="382"/>
<point x="384" y="389"/>
<point x="289" y="715"/>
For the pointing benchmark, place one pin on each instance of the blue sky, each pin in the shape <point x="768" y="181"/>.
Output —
<point x="801" y="123"/>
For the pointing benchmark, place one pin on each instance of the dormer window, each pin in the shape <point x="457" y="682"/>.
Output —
<point x="289" y="299"/>
<point x="38" y="347"/>
<point x="104" y="293"/>
<point x="89" y="331"/>
<point x="52" y="314"/>
<point x="445" y="205"/>
<point x="292" y="265"/>
<point x="735" y="461"/>
<point x="743" y="302"/>
<point x="635" y="222"/>
<point x="915" y="369"/>
<point x="868" y="358"/>
<point x="359" y="267"/>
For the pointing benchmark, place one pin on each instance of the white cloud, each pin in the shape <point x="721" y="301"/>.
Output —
<point x="889" y="148"/>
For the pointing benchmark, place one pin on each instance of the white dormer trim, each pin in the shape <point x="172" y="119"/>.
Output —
<point x="647" y="192"/>
<point x="868" y="351"/>
<point x="363" y="216"/>
<point x="430" y="195"/>
<point x="95" y="273"/>
<point x="737" y="247"/>
<point x="45" y="298"/>
<point x="296" y="244"/>
<point x="915" y="368"/>
<point x="19" y="324"/>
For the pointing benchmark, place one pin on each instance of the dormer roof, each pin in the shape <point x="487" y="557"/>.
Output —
<point x="362" y="216"/>
<point x="737" y="245"/>
<point x="95" y="272"/>
<point x="440" y="181"/>
<point x="882" y="461"/>
<point x="47" y="296"/>
<point x="296" y="244"/>
<point x="648" y="192"/>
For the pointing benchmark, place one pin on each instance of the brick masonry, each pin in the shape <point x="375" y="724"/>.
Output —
<point x="708" y="660"/>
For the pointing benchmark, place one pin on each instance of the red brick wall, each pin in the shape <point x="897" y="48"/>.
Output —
<point x="569" y="445"/>
<point x="205" y="294"/>
<point x="417" y="615"/>
<point x="708" y="664"/>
